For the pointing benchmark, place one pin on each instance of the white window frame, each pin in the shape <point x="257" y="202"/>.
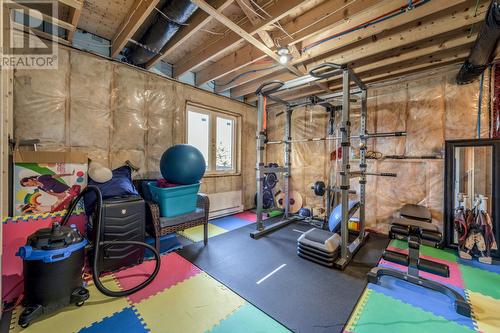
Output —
<point x="213" y="113"/>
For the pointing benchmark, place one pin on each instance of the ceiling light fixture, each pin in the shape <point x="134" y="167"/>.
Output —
<point x="284" y="54"/>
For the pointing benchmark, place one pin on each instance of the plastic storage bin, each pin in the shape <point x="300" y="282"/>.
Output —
<point x="174" y="201"/>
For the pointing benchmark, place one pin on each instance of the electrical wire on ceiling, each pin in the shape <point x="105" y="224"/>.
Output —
<point x="244" y="74"/>
<point x="316" y="21"/>
<point x="275" y="24"/>
<point x="393" y="13"/>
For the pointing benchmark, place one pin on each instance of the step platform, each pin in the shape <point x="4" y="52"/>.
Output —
<point x="319" y="246"/>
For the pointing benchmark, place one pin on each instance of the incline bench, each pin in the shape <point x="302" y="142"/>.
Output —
<point x="415" y="225"/>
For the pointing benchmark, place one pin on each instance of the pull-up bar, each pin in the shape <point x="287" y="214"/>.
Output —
<point x="367" y="136"/>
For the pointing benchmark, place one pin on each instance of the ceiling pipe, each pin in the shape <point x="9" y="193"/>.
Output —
<point x="175" y="14"/>
<point x="482" y="51"/>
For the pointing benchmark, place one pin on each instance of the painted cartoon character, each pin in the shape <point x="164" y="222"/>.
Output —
<point x="51" y="185"/>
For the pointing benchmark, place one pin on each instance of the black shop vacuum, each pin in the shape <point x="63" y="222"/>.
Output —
<point x="54" y="259"/>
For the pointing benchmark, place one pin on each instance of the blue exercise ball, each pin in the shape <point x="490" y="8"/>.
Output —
<point x="182" y="164"/>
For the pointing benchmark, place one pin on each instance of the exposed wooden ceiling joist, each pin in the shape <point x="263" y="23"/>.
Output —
<point x="277" y="11"/>
<point x="327" y="15"/>
<point x="255" y="18"/>
<point x="388" y="31"/>
<point x="77" y="4"/>
<point x="47" y="18"/>
<point x="74" y="18"/>
<point x="24" y="29"/>
<point x="132" y="22"/>
<point x="431" y="46"/>
<point x="427" y="28"/>
<point x="390" y="72"/>
<point x="244" y="34"/>
<point x="195" y="24"/>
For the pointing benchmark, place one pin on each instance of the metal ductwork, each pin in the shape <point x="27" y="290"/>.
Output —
<point x="175" y="15"/>
<point x="483" y="48"/>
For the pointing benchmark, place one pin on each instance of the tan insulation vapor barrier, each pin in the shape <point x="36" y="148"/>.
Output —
<point x="431" y="110"/>
<point x="117" y="113"/>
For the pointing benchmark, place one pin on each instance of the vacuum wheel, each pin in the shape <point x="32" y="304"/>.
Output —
<point x="24" y="325"/>
<point x="80" y="303"/>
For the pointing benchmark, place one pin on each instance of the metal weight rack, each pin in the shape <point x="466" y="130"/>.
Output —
<point x="348" y="95"/>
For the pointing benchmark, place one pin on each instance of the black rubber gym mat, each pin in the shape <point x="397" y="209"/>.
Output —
<point x="303" y="296"/>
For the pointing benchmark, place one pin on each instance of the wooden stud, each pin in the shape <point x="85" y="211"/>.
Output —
<point x="77" y="4"/>
<point x="75" y="17"/>
<point x="131" y="24"/>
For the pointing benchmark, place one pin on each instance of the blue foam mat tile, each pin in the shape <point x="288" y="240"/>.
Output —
<point x="230" y="222"/>
<point x="493" y="268"/>
<point x="123" y="321"/>
<point x="423" y="298"/>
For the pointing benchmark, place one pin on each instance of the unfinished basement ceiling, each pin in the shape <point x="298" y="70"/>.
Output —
<point x="380" y="39"/>
<point x="103" y="18"/>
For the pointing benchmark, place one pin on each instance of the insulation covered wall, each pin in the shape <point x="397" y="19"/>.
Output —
<point x="116" y="113"/>
<point x="431" y="110"/>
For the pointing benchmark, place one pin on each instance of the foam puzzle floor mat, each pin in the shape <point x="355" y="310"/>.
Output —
<point x="219" y="226"/>
<point x="181" y="299"/>
<point x="398" y="306"/>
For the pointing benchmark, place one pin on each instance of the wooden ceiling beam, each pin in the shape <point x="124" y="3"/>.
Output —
<point x="132" y="22"/>
<point x="77" y="4"/>
<point x="389" y="40"/>
<point x="244" y="34"/>
<point x="277" y="11"/>
<point x="46" y="18"/>
<point x="74" y="18"/>
<point x="195" y="23"/>
<point x="255" y="18"/>
<point x="370" y="34"/>
<point x="327" y="15"/>
<point x="431" y="46"/>
<point x="391" y="72"/>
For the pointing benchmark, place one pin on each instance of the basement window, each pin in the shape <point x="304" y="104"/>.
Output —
<point x="214" y="133"/>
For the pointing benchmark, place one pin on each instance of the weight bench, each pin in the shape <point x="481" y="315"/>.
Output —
<point x="416" y="216"/>
<point x="416" y="232"/>
<point x="323" y="246"/>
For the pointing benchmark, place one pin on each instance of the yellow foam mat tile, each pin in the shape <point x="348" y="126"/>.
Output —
<point x="72" y="318"/>
<point x="485" y="311"/>
<point x="194" y="306"/>
<point x="358" y="309"/>
<point x="196" y="233"/>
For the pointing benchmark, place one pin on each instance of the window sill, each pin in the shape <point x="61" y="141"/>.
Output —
<point x="221" y="174"/>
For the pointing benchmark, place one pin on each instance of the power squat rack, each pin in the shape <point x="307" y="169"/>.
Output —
<point x="348" y="95"/>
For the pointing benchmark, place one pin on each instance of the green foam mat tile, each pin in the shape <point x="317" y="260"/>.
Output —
<point x="384" y="314"/>
<point x="195" y="234"/>
<point x="194" y="305"/>
<point x="358" y="310"/>
<point x="249" y="319"/>
<point x="481" y="281"/>
<point x="445" y="254"/>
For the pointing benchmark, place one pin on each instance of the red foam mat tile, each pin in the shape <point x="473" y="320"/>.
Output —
<point x="174" y="269"/>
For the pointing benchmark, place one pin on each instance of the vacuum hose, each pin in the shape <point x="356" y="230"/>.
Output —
<point x="98" y="244"/>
